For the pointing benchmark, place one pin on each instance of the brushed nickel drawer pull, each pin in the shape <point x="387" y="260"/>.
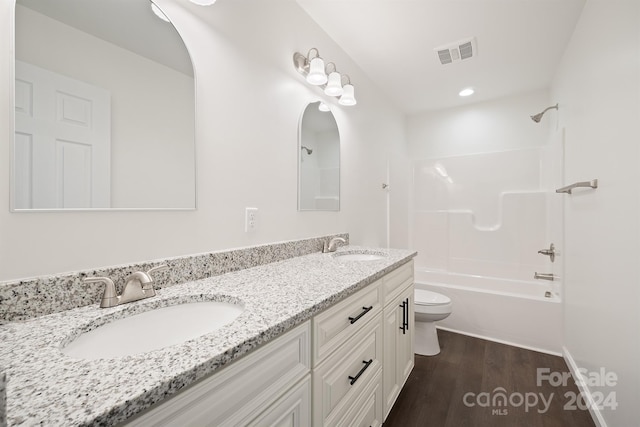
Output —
<point x="364" y="368"/>
<point x="355" y="319"/>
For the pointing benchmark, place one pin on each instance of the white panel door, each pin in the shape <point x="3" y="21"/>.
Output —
<point x="62" y="142"/>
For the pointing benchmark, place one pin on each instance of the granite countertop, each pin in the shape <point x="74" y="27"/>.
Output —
<point x="46" y="387"/>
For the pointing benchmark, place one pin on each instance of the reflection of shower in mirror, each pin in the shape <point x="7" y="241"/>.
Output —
<point x="308" y="150"/>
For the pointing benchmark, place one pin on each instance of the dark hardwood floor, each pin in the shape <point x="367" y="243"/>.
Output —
<point x="474" y="382"/>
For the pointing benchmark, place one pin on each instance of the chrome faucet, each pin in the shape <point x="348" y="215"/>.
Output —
<point x="137" y="286"/>
<point x="332" y="244"/>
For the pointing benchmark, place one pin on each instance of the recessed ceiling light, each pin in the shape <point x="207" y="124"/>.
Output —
<point x="466" y="92"/>
<point x="203" y="2"/>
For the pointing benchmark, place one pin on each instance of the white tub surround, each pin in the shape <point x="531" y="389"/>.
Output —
<point x="39" y="296"/>
<point x="276" y="296"/>
<point x="514" y="312"/>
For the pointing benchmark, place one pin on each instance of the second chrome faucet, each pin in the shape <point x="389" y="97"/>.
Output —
<point x="332" y="245"/>
<point x="137" y="286"/>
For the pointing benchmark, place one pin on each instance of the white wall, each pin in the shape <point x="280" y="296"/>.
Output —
<point x="483" y="127"/>
<point x="598" y="89"/>
<point x="249" y="100"/>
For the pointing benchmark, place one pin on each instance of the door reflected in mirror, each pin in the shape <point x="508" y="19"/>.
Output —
<point x="318" y="160"/>
<point x="104" y="108"/>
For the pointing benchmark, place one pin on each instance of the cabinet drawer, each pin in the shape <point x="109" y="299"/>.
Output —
<point x="336" y="325"/>
<point x="240" y="391"/>
<point x="367" y="410"/>
<point x="340" y="379"/>
<point x="293" y="409"/>
<point x="395" y="282"/>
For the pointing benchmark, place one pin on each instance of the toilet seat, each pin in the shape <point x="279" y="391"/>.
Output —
<point x="424" y="297"/>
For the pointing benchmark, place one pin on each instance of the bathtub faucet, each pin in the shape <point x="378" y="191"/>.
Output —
<point x="544" y="276"/>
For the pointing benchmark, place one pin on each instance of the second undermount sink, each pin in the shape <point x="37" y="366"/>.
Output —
<point x="152" y="330"/>
<point x="358" y="256"/>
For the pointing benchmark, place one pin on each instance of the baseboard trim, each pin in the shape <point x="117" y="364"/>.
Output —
<point x="598" y="419"/>
<point x="526" y="347"/>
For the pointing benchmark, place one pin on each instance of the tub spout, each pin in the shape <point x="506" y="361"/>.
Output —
<point x="544" y="276"/>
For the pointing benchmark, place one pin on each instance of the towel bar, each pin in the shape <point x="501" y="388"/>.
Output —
<point x="590" y="184"/>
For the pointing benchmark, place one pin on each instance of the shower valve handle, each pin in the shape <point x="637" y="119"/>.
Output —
<point x="551" y="252"/>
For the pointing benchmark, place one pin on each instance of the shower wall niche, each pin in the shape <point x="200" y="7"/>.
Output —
<point x="481" y="214"/>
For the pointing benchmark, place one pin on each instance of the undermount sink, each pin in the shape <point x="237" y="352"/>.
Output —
<point x="357" y="256"/>
<point x="152" y="330"/>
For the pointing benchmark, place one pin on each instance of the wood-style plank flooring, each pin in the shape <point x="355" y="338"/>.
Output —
<point x="447" y="390"/>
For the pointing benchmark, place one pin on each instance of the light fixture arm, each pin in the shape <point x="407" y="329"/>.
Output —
<point x="317" y="55"/>
<point x="327" y="67"/>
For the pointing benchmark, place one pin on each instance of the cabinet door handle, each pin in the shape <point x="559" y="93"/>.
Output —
<point x="365" y="311"/>
<point x="406" y="324"/>
<point x="404" y="316"/>
<point x="364" y="368"/>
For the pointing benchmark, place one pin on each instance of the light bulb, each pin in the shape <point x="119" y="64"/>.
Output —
<point x="323" y="107"/>
<point x="334" y="87"/>
<point x="347" y="97"/>
<point x="316" y="74"/>
<point x="203" y="2"/>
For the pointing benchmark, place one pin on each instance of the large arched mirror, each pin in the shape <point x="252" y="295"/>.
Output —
<point x="104" y="108"/>
<point x="318" y="160"/>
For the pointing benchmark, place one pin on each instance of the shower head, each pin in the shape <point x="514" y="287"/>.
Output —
<point x="309" y="150"/>
<point x="537" y="117"/>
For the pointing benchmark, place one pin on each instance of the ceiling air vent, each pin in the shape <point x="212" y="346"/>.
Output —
<point x="453" y="52"/>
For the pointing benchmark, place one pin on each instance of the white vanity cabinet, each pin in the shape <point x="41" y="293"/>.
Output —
<point x="269" y="387"/>
<point x="398" y="319"/>
<point x="344" y="367"/>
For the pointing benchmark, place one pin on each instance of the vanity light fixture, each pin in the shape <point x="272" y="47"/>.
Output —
<point x="312" y="67"/>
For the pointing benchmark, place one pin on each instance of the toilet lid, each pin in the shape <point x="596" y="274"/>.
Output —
<point x="424" y="297"/>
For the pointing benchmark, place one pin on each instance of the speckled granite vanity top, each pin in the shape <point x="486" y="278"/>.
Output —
<point x="46" y="387"/>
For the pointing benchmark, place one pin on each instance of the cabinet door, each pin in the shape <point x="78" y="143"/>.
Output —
<point x="398" y="346"/>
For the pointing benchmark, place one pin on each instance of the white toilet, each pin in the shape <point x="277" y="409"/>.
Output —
<point x="429" y="308"/>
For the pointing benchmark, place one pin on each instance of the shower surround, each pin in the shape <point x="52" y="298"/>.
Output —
<point x="478" y="223"/>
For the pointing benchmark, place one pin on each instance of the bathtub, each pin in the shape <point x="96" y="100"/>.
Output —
<point x="523" y="313"/>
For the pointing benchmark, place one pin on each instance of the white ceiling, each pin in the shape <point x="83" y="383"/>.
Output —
<point x="519" y="45"/>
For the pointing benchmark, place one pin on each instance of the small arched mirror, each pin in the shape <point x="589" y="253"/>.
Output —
<point x="318" y="160"/>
